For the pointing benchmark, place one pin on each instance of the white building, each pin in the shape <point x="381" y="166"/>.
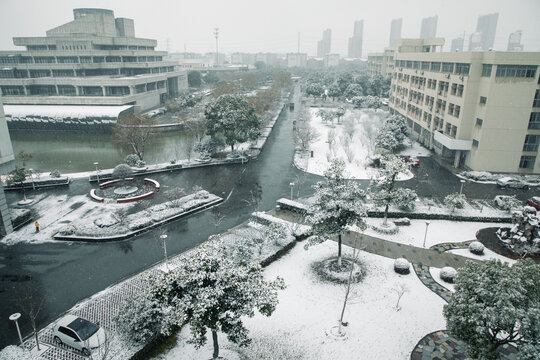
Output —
<point x="6" y="165"/>
<point x="296" y="60"/>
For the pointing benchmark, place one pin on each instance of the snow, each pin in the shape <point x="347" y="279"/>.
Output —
<point x="64" y="111"/>
<point x="436" y="275"/>
<point x="488" y="255"/>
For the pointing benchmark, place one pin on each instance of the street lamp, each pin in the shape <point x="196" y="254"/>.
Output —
<point x="31" y="171"/>
<point x="292" y="187"/>
<point x="97" y="171"/>
<point x="164" y="245"/>
<point x="425" y="234"/>
<point x="461" y="188"/>
<point x="15" y="317"/>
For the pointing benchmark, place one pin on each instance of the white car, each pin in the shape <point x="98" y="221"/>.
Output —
<point x="78" y="333"/>
<point x="509" y="182"/>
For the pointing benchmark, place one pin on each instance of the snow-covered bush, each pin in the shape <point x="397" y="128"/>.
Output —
<point x="202" y="194"/>
<point x="389" y="228"/>
<point x="507" y="202"/>
<point x="122" y="171"/>
<point x="363" y="102"/>
<point x="402" y="266"/>
<point x="140" y="164"/>
<point x="524" y="236"/>
<point x="405" y="199"/>
<point x="455" y="201"/>
<point x="106" y="220"/>
<point x="132" y="160"/>
<point x="448" y="274"/>
<point x="402" y="221"/>
<point x="55" y="174"/>
<point x="476" y="247"/>
<point x="277" y="234"/>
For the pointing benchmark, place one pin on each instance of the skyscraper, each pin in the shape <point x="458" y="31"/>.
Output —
<point x="429" y="27"/>
<point x="457" y="44"/>
<point x="514" y="41"/>
<point x="395" y="32"/>
<point x="324" y="45"/>
<point x="355" y="42"/>
<point x="486" y="26"/>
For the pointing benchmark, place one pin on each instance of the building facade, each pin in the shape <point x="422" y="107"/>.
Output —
<point x="457" y="44"/>
<point x="381" y="63"/>
<point x="7" y="160"/>
<point x="429" y="27"/>
<point x="324" y="46"/>
<point x="480" y="110"/>
<point x="395" y="32"/>
<point x="486" y="27"/>
<point x="514" y="42"/>
<point x="331" y="60"/>
<point x="296" y="60"/>
<point x="355" y="42"/>
<point x="93" y="60"/>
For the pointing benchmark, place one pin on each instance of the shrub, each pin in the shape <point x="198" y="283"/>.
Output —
<point x="402" y="266"/>
<point x="122" y="171"/>
<point x="140" y="164"/>
<point x="476" y="247"/>
<point x="448" y="274"/>
<point x="389" y="228"/>
<point x="55" y="173"/>
<point x="132" y="160"/>
<point x="455" y="201"/>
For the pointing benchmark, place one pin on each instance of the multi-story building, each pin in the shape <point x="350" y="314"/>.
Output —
<point x="93" y="60"/>
<point x="486" y="27"/>
<point x="480" y="110"/>
<point x="457" y="44"/>
<point x="355" y="42"/>
<point x="296" y="60"/>
<point x="429" y="27"/>
<point x="331" y="60"/>
<point x="381" y="63"/>
<point x="514" y="42"/>
<point x="324" y="46"/>
<point x="395" y="32"/>
<point x="6" y="165"/>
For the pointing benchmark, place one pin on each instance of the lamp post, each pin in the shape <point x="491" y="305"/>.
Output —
<point x="31" y="171"/>
<point x="15" y="317"/>
<point x="97" y="171"/>
<point x="164" y="245"/>
<point x="461" y="188"/>
<point x="425" y="234"/>
<point x="292" y="187"/>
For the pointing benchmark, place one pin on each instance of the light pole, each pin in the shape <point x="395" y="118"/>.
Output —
<point x="31" y="171"/>
<point x="15" y="317"/>
<point x="97" y="171"/>
<point x="461" y="188"/>
<point x="164" y="245"/>
<point x="425" y="234"/>
<point x="292" y="187"/>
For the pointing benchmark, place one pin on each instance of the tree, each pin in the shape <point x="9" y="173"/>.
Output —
<point x="455" y="201"/>
<point x="306" y="134"/>
<point x="211" y="77"/>
<point x="20" y="173"/>
<point x="196" y="126"/>
<point x="337" y="205"/>
<point x="282" y="79"/>
<point x="386" y="194"/>
<point x="194" y="78"/>
<point x="353" y="90"/>
<point x="334" y="91"/>
<point x="495" y="304"/>
<point x="30" y="302"/>
<point x="122" y="171"/>
<point x="132" y="132"/>
<point x="250" y="81"/>
<point x="392" y="134"/>
<point x="339" y="113"/>
<point x="234" y="118"/>
<point x="224" y="88"/>
<point x="314" y="90"/>
<point x="209" y="291"/>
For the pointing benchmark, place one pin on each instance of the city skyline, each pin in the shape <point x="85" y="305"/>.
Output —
<point x="261" y="32"/>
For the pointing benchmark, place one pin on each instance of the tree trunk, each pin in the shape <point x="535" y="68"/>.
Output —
<point x="339" y="251"/>
<point x="386" y="212"/>
<point x="216" y="345"/>
<point x="37" y="340"/>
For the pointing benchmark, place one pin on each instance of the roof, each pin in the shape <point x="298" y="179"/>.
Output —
<point x="64" y="111"/>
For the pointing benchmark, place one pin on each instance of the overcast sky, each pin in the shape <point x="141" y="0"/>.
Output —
<point x="273" y="26"/>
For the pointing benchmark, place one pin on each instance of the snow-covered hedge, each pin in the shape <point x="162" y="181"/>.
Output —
<point x="476" y="247"/>
<point x="298" y="230"/>
<point x="448" y="274"/>
<point x="55" y="174"/>
<point x="402" y="266"/>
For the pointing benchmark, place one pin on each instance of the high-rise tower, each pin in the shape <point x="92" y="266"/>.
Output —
<point x="429" y="27"/>
<point x="395" y="32"/>
<point x="355" y="42"/>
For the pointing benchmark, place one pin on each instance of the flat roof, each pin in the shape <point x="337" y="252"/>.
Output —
<point x="65" y="111"/>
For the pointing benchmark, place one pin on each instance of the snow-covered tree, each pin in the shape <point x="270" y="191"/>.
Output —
<point x="209" y="291"/>
<point x="509" y="202"/>
<point x="495" y="304"/>
<point x="405" y="198"/>
<point x="305" y="134"/>
<point x="232" y="117"/>
<point x="384" y="192"/>
<point x="132" y="132"/>
<point x="339" y="113"/>
<point x="122" y="171"/>
<point x="354" y="90"/>
<point x="455" y="201"/>
<point x="524" y="236"/>
<point x="314" y="90"/>
<point x="338" y="204"/>
<point x="334" y="91"/>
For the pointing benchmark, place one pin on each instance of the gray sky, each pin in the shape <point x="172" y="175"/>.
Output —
<point x="273" y="26"/>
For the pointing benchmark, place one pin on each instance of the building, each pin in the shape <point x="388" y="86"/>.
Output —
<point x="486" y="27"/>
<point x="296" y="60"/>
<point x="429" y="27"/>
<point x="514" y="42"/>
<point x="475" y="42"/>
<point x="331" y="60"/>
<point x="479" y="110"/>
<point x="355" y="42"/>
<point x="7" y="160"/>
<point x="324" y="46"/>
<point x="395" y="32"/>
<point x="93" y="60"/>
<point x="381" y="63"/>
<point x="457" y="44"/>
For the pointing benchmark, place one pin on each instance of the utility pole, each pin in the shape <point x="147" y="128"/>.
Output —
<point x="216" y="34"/>
<point x="298" y="49"/>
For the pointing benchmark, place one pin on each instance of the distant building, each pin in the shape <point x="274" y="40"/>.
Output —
<point x="479" y="110"/>
<point x="93" y="60"/>
<point x="324" y="46"/>
<point x="486" y="27"/>
<point x="297" y="60"/>
<point x="514" y="42"/>
<point x="475" y="42"/>
<point x="381" y="63"/>
<point x="429" y="27"/>
<point x="395" y="32"/>
<point x="457" y="44"/>
<point x="355" y="42"/>
<point x="331" y="60"/>
<point x="6" y="165"/>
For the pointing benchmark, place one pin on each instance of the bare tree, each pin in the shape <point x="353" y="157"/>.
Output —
<point x="349" y="127"/>
<point x="30" y="302"/>
<point x="399" y="289"/>
<point x="132" y="131"/>
<point x="306" y="134"/>
<point x="187" y="145"/>
<point x="350" y="283"/>
<point x="197" y="126"/>
<point x="175" y="195"/>
<point x="331" y="136"/>
<point x="350" y="153"/>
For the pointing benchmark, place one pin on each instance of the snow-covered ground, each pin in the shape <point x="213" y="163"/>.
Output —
<point x="488" y="255"/>
<point x="436" y="275"/>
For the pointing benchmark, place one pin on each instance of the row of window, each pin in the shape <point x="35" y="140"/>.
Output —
<point x="446" y="67"/>
<point x="512" y="71"/>
<point x="75" y="59"/>
<point x="69" y="90"/>
<point x="83" y="47"/>
<point x="23" y="74"/>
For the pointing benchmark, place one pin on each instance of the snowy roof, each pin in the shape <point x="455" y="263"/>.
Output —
<point x="64" y="111"/>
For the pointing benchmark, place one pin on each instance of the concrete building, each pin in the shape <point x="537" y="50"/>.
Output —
<point x="514" y="42"/>
<point x="296" y="60"/>
<point x="324" y="46"/>
<point x="381" y="63"/>
<point x="475" y="42"/>
<point x="331" y="60"/>
<point x="355" y="42"/>
<point x="457" y="44"/>
<point x="7" y="161"/>
<point x="479" y="110"/>
<point x="429" y="27"/>
<point x="486" y="27"/>
<point x="395" y="32"/>
<point x="93" y="60"/>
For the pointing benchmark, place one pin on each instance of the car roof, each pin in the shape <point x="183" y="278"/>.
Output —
<point x="66" y="320"/>
<point x="536" y="198"/>
<point x="506" y="178"/>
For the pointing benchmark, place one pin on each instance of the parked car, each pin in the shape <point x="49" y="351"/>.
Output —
<point x="509" y="182"/>
<point x="78" y="333"/>
<point x="414" y="161"/>
<point x="499" y="200"/>
<point x="534" y="202"/>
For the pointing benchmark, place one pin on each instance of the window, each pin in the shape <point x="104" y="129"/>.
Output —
<point x="435" y="66"/>
<point x="536" y="102"/>
<point x="425" y="65"/>
<point x="486" y="69"/>
<point x="448" y="67"/>
<point x="457" y="111"/>
<point x="516" y="71"/>
<point x="527" y="162"/>
<point x="475" y="143"/>
<point x="483" y="100"/>
<point x="460" y="90"/>
<point x="479" y="122"/>
<point x="531" y="143"/>
<point x="463" y="69"/>
<point x="534" y="121"/>
<point x="68" y="332"/>
<point x="454" y="89"/>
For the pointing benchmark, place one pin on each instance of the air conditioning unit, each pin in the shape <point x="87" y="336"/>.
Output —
<point x="440" y="92"/>
<point x="461" y="78"/>
<point x="448" y="76"/>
